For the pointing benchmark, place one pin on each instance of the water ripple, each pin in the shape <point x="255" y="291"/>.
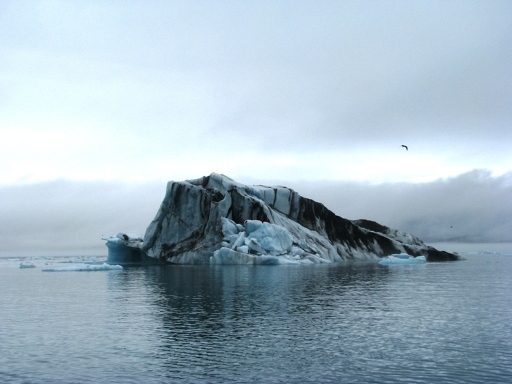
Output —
<point x="440" y="322"/>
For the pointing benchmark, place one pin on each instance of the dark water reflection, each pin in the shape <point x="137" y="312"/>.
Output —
<point x="258" y="323"/>
<point x="332" y="323"/>
<point x="224" y="297"/>
<point x="350" y="323"/>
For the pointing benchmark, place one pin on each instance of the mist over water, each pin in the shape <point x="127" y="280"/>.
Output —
<point x="354" y="322"/>
<point x="67" y="218"/>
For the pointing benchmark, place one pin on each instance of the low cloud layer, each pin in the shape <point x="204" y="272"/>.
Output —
<point x="62" y="217"/>
<point x="472" y="207"/>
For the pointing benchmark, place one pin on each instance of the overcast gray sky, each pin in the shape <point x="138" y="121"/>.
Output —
<point x="102" y="102"/>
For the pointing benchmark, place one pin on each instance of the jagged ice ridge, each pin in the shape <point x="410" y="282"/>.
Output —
<point x="216" y="220"/>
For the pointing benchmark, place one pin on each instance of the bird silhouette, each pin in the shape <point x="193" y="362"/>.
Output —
<point x="405" y="146"/>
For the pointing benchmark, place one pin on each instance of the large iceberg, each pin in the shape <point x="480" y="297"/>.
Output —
<point x="216" y="220"/>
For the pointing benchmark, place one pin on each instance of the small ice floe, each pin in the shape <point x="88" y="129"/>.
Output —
<point x="402" y="258"/>
<point x="27" y="264"/>
<point x="85" y="268"/>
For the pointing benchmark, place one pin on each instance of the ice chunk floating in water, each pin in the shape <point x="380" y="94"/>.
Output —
<point x="85" y="268"/>
<point x="402" y="258"/>
<point x="26" y="264"/>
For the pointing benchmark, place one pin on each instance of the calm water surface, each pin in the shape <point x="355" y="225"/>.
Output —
<point x="350" y="323"/>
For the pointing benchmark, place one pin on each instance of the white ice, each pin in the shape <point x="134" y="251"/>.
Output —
<point x="402" y="258"/>
<point x="85" y="267"/>
<point x="27" y="264"/>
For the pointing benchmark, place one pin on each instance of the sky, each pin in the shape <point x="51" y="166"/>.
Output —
<point x="102" y="103"/>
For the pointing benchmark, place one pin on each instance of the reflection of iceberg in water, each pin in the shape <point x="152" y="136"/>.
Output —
<point x="85" y="268"/>
<point x="239" y="314"/>
<point x="402" y="258"/>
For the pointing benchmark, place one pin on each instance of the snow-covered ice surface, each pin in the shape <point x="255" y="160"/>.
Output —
<point x="85" y="268"/>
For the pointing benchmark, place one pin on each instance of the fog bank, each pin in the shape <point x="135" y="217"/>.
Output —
<point x="71" y="217"/>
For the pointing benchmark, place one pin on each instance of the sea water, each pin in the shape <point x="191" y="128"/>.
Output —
<point x="344" y="323"/>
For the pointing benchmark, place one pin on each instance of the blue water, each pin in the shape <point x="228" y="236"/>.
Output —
<point x="350" y="323"/>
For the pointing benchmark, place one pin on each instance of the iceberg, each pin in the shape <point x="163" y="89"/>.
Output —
<point x="85" y="268"/>
<point x="216" y="220"/>
<point x="402" y="258"/>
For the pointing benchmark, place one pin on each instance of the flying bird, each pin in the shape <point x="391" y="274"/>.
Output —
<point x="405" y="146"/>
